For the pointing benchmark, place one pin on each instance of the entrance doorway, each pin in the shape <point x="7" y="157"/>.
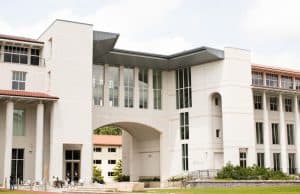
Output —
<point x="72" y="165"/>
<point x="17" y="165"/>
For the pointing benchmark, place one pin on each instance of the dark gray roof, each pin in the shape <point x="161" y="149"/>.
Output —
<point x="105" y="53"/>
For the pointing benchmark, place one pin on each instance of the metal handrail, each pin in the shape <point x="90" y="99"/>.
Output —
<point x="19" y="58"/>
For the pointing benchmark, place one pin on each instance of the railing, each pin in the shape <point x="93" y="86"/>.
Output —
<point x="202" y="174"/>
<point x="18" y="58"/>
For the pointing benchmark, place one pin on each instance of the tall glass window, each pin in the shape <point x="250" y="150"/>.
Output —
<point x="98" y="84"/>
<point x="185" y="157"/>
<point x="18" y="80"/>
<point x="259" y="133"/>
<point x="128" y="86"/>
<point x="292" y="163"/>
<point x="258" y="104"/>
<point x="276" y="162"/>
<point x="157" y="86"/>
<point x="275" y="133"/>
<point x="286" y="82"/>
<point x="243" y="159"/>
<point x="257" y="78"/>
<point x="143" y="87"/>
<point x="15" y="54"/>
<point x="297" y="83"/>
<point x="272" y="80"/>
<point x="113" y="85"/>
<point x="19" y="122"/>
<point x="183" y="88"/>
<point x="261" y="160"/>
<point x="17" y="164"/>
<point x="184" y="125"/>
<point x="290" y="134"/>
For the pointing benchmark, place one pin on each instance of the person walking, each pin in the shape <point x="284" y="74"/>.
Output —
<point x="11" y="183"/>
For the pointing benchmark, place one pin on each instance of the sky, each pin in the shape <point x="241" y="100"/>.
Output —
<point x="270" y="29"/>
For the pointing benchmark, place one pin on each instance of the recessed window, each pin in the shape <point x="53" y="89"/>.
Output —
<point x="258" y="104"/>
<point x="15" y="54"/>
<point x="185" y="157"/>
<point x="216" y="101"/>
<point x="35" y="57"/>
<point x="290" y="134"/>
<point x="259" y="133"/>
<point x="19" y="122"/>
<point x="243" y="159"/>
<point x="184" y="125"/>
<point x="157" y="87"/>
<point x="97" y="161"/>
<point x="257" y="78"/>
<point x="275" y="133"/>
<point x="97" y="149"/>
<point x="128" y="87"/>
<point x="273" y="103"/>
<point x="261" y="160"/>
<point x="272" y="80"/>
<point x="112" y="150"/>
<point x="218" y="133"/>
<point x="292" y="163"/>
<point x="276" y="162"/>
<point x="288" y="105"/>
<point x="183" y="88"/>
<point x="110" y="173"/>
<point x="111" y="161"/>
<point x="286" y="82"/>
<point x="98" y="84"/>
<point x="18" y="80"/>
<point x="143" y="88"/>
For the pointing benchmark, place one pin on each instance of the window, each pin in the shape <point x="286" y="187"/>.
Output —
<point x="273" y="103"/>
<point x="113" y="85"/>
<point x="185" y="157"/>
<point x="259" y="133"/>
<point x="112" y="150"/>
<point x="97" y="149"/>
<point x="297" y="83"/>
<point x="275" y="133"/>
<point x="18" y="80"/>
<point x="290" y="134"/>
<point x="261" y="160"/>
<point x="276" y="162"/>
<point x="111" y="161"/>
<point x="98" y="84"/>
<point x="292" y="163"/>
<point x="272" y="80"/>
<point x="35" y="57"/>
<point x="184" y="125"/>
<point x="157" y="86"/>
<point x="243" y="159"/>
<point x="110" y="173"/>
<point x="286" y="82"/>
<point x="288" y="105"/>
<point x="15" y="54"/>
<point x="17" y="164"/>
<point x="218" y="133"/>
<point x="216" y="101"/>
<point x="97" y="162"/>
<point x="72" y="155"/>
<point x="257" y="102"/>
<point x="128" y="87"/>
<point x="143" y="87"/>
<point x="19" y="122"/>
<point x="183" y="88"/>
<point x="257" y="78"/>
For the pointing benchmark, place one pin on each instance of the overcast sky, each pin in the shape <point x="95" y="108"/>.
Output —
<point x="270" y="29"/>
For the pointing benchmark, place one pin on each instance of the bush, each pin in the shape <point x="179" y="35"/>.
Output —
<point x="176" y="178"/>
<point x="118" y="175"/>
<point x="97" y="177"/>
<point x="250" y="173"/>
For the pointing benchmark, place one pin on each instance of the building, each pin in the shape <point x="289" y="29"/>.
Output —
<point x="194" y="110"/>
<point x="107" y="152"/>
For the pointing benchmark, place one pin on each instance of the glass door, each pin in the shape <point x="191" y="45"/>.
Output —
<point x="72" y="165"/>
<point x="17" y="165"/>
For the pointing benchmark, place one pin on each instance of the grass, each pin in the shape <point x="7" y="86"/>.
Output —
<point x="236" y="190"/>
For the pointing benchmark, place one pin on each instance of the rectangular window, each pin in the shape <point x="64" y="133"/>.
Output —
<point x="297" y="83"/>
<point x="275" y="133"/>
<point x="243" y="159"/>
<point x="113" y="85"/>
<point x="97" y="149"/>
<point x="17" y="164"/>
<point x="290" y="134"/>
<point x="72" y="155"/>
<point x="110" y="173"/>
<point x="257" y="79"/>
<point x="286" y="82"/>
<point x="276" y="162"/>
<point x="185" y="157"/>
<point x="218" y="133"/>
<point x="19" y="122"/>
<point x="128" y="86"/>
<point x="35" y="57"/>
<point x="183" y="88"/>
<point x="157" y="87"/>
<point x="111" y="161"/>
<point x="288" y="105"/>
<point x="273" y="103"/>
<point x="184" y="125"/>
<point x="272" y="80"/>
<point x="98" y="84"/>
<point x="97" y="162"/>
<point x="112" y="150"/>
<point x="15" y="54"/>
<point x="143" y="87"/>
<point x="259" y="133"/>
<point x="258" y="102"/>
<point x="292" y="163"/>
<point x="261" y="160"/>
<point x="18" y="80"/>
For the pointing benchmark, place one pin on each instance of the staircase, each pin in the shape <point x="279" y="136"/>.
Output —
<point x="95" y="189"/>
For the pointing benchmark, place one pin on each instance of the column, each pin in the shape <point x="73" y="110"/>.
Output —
<point x="150" y="89"/>
<point x="8" y="141"/>
<point x="2" y="53"/>
<point x="136" y="88"/>
<point x="267" y="135"/>
<point x="106" y="85"/>
<point x="297" y="129"/>
<point x="39" y="137"/>
<point x="29" y="55"/>
<point x="282" y="134"/>
<point x="121" y="89"/>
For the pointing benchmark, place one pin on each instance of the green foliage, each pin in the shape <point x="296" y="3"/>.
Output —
<point x="177" y="178"/>
<point x="108" y="130"/>
<point x="118" y="175"/>
<point x="250" y="173"/>
<point x="97" y="176"/>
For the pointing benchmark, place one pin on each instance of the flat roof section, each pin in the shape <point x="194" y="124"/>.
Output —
<point x="19" y="38"/>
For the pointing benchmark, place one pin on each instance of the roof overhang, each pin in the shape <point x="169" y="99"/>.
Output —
<point x="26" y="95"/>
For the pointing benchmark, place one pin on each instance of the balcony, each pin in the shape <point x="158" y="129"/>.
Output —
<point x="19" y="58"/>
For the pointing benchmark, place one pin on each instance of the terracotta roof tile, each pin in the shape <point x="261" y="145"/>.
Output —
<point x="19" y="38"/>
<point x="26" y="94"/>
<point x="107" y="140"/>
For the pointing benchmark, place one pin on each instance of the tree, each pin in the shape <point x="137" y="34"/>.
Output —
<point x="108" y="130"/>
<point x="118" y="175"/>
<point x="97" y="175"/>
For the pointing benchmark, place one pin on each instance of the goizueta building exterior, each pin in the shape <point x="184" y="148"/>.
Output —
<point x="194" y="110"/>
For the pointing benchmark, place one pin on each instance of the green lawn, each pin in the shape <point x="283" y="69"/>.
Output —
<point x="236" y="190"/>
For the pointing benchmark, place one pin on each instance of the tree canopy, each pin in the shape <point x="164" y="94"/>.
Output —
<point x="108" y="130"/>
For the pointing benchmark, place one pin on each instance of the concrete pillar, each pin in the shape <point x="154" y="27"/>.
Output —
<point x="121" y="89"/>
<point x="150" y="89"/>
<point x="297" y="129"/>
<point x="86" y="162"/>
<point x="2" y="53"/>
<point x="106" y="85"/>
<point x="39" y="137"/>
<point x="136" y="88"/>
<point x="8" y="141"/>
<point x="282" y="134"/>
<point x="267" y="135"/>
<point x="29" y="55"/>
